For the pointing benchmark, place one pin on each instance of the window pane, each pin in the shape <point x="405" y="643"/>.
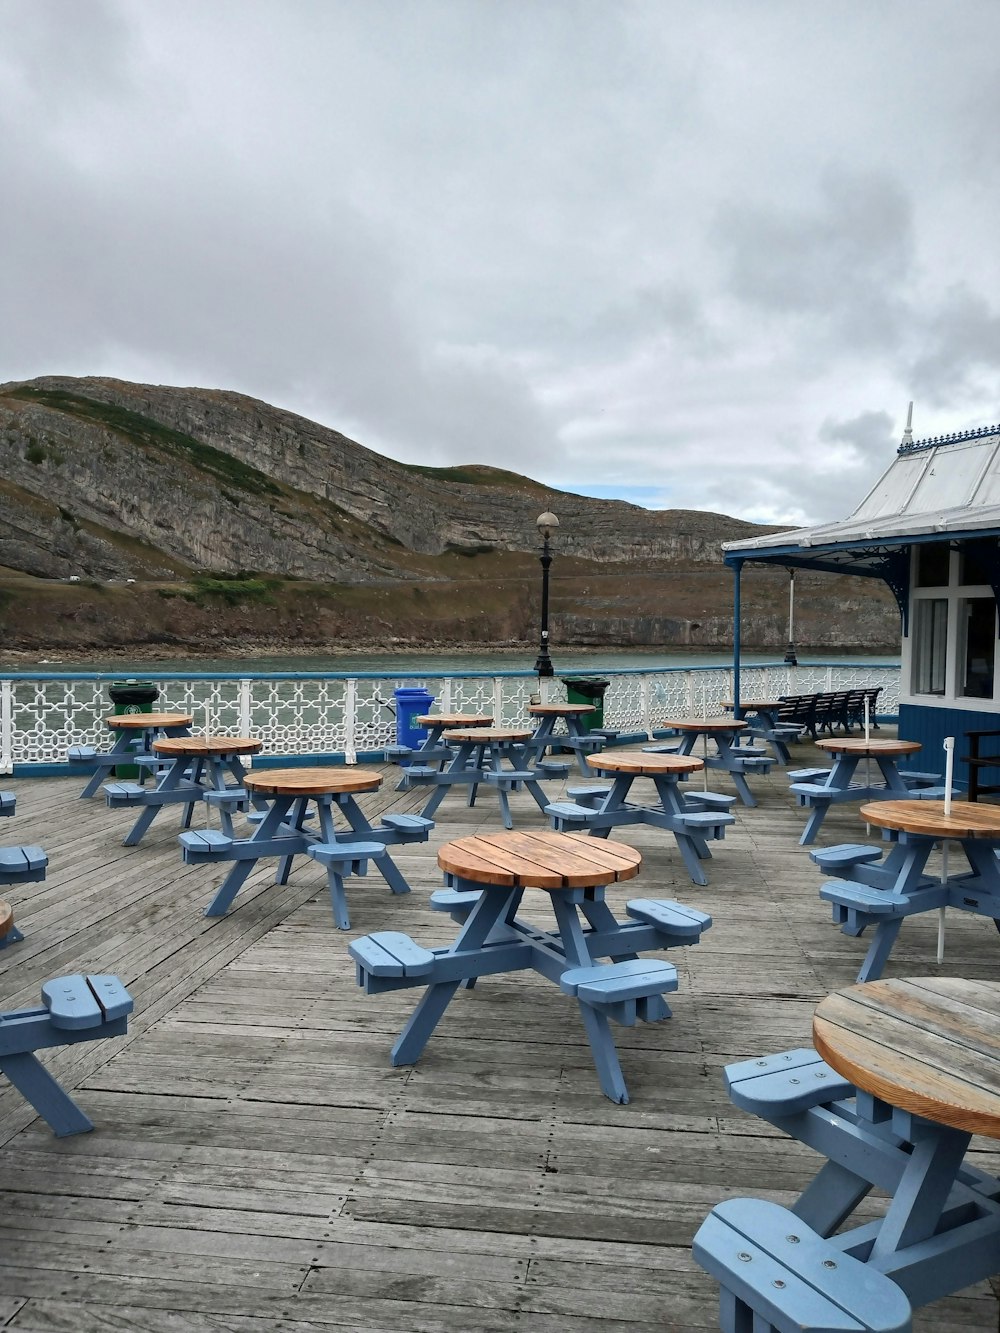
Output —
<point x="932" y="565"/>
<point x="978" y="560"/>
<point x="976" y="647"/>
<point x="930" y="631"/>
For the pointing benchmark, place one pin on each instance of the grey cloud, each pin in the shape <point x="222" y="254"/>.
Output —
<point x="961" y="345"/>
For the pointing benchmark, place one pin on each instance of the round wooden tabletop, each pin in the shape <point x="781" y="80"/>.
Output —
<point x="873" y="746"/>
<point x="648" y="765"/>
<point x="929" y="1045"/>
<point x="140" y="721"/>
<point x="708" y="724"/>
<point x="965" y="821"/>
<point x="196" y="746"/>
<point x="447" y="720"/>
<point x="6" y="917"/>
<point x="311" y="781"/>
<point x="484" y="735"/>
<point x="560" y="710"/>
<point x="541" y="860"/>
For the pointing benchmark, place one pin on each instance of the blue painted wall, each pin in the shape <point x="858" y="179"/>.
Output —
<point x="930" y="725"/>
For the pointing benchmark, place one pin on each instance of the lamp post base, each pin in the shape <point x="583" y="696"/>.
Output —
<point x="790" y="658"/>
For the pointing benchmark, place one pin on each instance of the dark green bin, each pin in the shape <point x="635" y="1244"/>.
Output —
<point x="132" y="696"/>
<point x="585" y="690"/>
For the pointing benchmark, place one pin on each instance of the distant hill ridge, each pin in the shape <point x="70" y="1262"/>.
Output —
<point x="209" y="479"/>
<point x="181" y="489"/>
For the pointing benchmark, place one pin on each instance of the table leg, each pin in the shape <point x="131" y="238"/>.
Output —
<point x="730" y="760"/>
<point x="122" y="746"/>
<point x="596" y="1025"/>
<point x="359" y="824"/>
<point x="240" y="870"/>
<point x="921" y="1195"/>
<point x="299" y="817"/>
<point x="893" y="780"/>
<point x="37" y="1086"/>
<point x="436" y="998"/>
<point x="170" y="781"/>
<point x="830" y="1198"/>
<point x="692" y="846"/>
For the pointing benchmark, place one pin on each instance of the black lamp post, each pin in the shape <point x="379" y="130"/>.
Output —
<point x="545" y="522"/>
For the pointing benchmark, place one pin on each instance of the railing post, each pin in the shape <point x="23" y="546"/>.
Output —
<point x="498" y="714"/>
<point x="6" y="726"/>
<point x="243" y="703"/>
<point x="350" y="721"/>
<point x="647" y="722"/>
<point x="445" y="702"/>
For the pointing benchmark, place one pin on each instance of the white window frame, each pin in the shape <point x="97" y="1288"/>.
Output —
<point x="953" y="594"/>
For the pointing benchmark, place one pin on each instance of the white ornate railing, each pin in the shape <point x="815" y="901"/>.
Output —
<point x="321" y="714"/>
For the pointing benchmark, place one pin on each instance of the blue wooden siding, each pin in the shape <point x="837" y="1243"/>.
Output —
<point x="930" y="725"/>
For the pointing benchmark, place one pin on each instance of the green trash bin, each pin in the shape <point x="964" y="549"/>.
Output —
<point x="585" y="690"/>
<point x="131" y="696"/>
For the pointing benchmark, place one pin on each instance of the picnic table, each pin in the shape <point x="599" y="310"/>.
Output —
<point x="134" y="736"/>
<point x="487" y="876"/>
<point x="734" y="759"/>
<point x="293" y="797"/>
<point x="574" y="737"/>
<point x="839" y="785"/>
<point x="903" y="1073"/>
<point x="878" y="891"/>
<point x="762" y="719"/>
<point x="496" y="756"/>
<point x="434" y="749"/>
<point x="195" y="765"/>
<point x="692" y="817"/>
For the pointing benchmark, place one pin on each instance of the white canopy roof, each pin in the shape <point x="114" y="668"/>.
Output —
<point x="946" y="485"/>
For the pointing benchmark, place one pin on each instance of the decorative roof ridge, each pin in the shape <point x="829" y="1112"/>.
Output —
<point x="956" y="437"/>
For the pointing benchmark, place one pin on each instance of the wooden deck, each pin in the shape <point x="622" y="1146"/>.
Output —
<point x="258" y="1165"/>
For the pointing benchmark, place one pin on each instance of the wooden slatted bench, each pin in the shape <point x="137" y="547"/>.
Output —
<point x="201" y="845"/>
<point x="342" y="859"/>
<point x="590" y="794"/>
<point x="785" y="1084"/>
<point x="780" y="1275"/>
<point x="410" y="828"/>
<point x="73" y="1009"/>
<point x="675" y="923"/>
<point x="390" y="954"/>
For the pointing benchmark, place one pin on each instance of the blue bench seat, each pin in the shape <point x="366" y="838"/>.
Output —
<point x="22" y="865"/>
<point x="584" y="793"/>
<point x="675" y="922"/>
<point x="832" y="859"/>
<point x="410" y="828"/>
<point x="708" y="800"/>
<point x="120" y="794"/>
<point x="779" y="1275"/>
<point x="341" y="859"/>
<point x="390" y="953"/>
<point x="8" y="803"/>
<point x="613" y="989"/>
<point x="551" y="768"/>
<point x="709" y="823"/>
<point x="74" y="1009"/>
<point x="784" y="1084"/>
<point x="563" y="813"/>
<point x="198" y="845"/>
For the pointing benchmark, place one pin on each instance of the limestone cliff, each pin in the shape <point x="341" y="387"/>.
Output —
<point x="105" y="480"/>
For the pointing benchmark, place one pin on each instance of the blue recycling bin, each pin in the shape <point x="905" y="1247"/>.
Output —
<point x="411" y="703"/>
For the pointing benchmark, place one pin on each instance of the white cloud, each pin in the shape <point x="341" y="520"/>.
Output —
<point x="708" y="250"/>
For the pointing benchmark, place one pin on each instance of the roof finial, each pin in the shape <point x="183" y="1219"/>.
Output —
<point x="908" y="433"/>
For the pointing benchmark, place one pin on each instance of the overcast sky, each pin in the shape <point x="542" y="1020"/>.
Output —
<point x="694" y="253"/>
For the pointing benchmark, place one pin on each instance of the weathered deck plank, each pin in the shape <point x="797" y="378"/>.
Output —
<point x="258" y="1165"/>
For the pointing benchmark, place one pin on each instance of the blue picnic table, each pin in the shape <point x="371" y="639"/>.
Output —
<point x="495" y="757"/>
<point x="693" y="817"/>
<point x="487" y="876"/>
<point x="902" y="1075"/>
<point x="882" y="886"/>
<point x="134" y="736"/>
<point x="296" y="797"/>
<point x="194" y="766"/>
<point x="839" y="785"/>
<point x="434" y="749"/>
<point x="573" y="736"/>
<point x="729" y="755"/>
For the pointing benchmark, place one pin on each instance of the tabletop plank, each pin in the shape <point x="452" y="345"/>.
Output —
<point x="542" y="860"/>
<point x="874" y="746"/>
<point x="204" y="745"/>
<point x="926" y="1045"/>
<point x="139" y="721"/>
<point x="311" y="781"/>
<point x="928" y="817"/>
<point x="645" y="764"/>
<point x="560" y="710"/>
